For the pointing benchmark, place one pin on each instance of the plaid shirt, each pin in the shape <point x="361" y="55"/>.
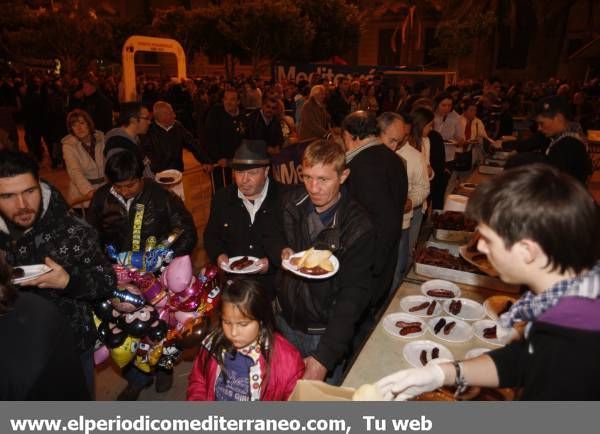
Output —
<point x="531" y="305"/>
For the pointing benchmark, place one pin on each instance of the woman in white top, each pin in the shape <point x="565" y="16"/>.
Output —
<point x="394" y="132"/>
<point x="446" y="122"/>
<point x="83" y="152"/>
<point x="420" y="124"/>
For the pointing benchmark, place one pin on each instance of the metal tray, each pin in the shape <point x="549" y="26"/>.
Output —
<point x="456" y="276"/>
<point x="451" y="236"/>
<point x="490" y="170"/>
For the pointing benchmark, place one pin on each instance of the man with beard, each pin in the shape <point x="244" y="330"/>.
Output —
<point x="36" y="228"/>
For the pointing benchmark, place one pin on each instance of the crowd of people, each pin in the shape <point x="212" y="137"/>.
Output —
<point x="374" y="160"/>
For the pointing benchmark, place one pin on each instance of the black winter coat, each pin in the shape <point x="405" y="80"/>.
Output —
<point x="330" y="307"/>
<point x="230" y="231"/>
<point x="73" y="244"/>
<point x="163" y="213"/>
<point x="257" y="129"/>
<point x="164" y="148"/>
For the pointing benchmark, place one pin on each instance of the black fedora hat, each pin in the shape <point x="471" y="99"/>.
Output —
<point x="249" y="155"/>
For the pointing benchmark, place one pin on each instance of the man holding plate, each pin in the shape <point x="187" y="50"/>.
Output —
<point x="320" y="316"/>
<point x="245" y="218"/>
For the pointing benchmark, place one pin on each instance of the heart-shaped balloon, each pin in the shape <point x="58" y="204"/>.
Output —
<point x="179" y="273"/>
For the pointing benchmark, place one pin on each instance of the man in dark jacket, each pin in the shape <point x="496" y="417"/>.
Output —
<point x="166" y="137"/>
<point x="320" y="316"/>
<point x="116" y="205"/>
<point x="245" y="218"/>
<point x="338" y="104"/>
<point x="224" y="130"/>
<point x="97" y="105"/>
<point x="377" y="181"/>
<point x="261" y="124"/>
<point x="36" y="228"/>
<point x="134" y="120"/>
<point x="130" y="212"/>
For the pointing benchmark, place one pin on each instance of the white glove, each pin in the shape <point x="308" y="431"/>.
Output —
<point x="506" y="334"/>
<point x="409" y="383"/>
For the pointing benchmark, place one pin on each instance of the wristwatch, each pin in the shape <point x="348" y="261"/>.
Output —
<point x="459" y="379"/>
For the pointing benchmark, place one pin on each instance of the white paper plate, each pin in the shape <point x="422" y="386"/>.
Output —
<point x="389" y="324"/>
<point x="412" y="352"/>
<point x="494" y="304"/>
<point x="248" y="270"/>
<point x="478" y="328"/>
<point x="171" y="173"/>
<point x="461" y="332"/>
<point x="476" y="352"/>
<point x="414" y="300"/>
<point x="470" y="311"/>
<point x="440" y="284"/>
<point x="31" y="272"/>
<point x="288" y="266"/>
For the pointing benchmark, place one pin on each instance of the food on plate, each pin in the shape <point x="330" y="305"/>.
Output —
<point x="367" y="392"/>
<point x="448" y="327"/>
<point x="490" y="333"/>
<point x="410" y="329"/>
<point x="241" y="263"/>
<point x="166" y="179"/>
<point x="438" y="326"/>
<point x="17" y="273"/>
<point x="431" y="308"/>
<point x="423" y="357"/>
<point x="314" y="262"/>
<point x="419" y="307"/>
<point x="443" y="258"/>
<point x="401" y="324"/>
<point x="455" y="307"/>
<point x="453" y="221"/>
<point x="506" y="307"/>
<point x="444" y="293"/>
<point x="435" y="353"/>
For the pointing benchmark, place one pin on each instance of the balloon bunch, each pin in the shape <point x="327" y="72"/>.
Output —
<point x="152" y="318"/>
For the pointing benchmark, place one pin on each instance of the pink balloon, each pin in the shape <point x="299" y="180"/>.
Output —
<point x="101" y="354"/>
<point x="182" y="317"/>
<point x="179" y="273"/>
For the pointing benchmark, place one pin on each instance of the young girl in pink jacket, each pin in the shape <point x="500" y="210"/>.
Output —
<point x="243" y="358"/>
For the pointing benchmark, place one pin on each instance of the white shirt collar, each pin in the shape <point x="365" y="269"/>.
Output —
<point x="164" y="127"/>
<point x="253" y="206"/>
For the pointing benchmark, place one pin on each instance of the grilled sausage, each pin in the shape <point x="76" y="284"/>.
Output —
<point x="490" y="333"/>
<point x="441" y="323"/>
<point x="448" y="328"/>
<point x="435" y="353"/>
<point x="431" y="308"/>
<point x="423" y="357"/>
<point x="242" y="263"/>
<point x="442" y="293"/>
<point x="419" y="307"/>
<point x="408" y="330"/>
<point x="401" y="324"/>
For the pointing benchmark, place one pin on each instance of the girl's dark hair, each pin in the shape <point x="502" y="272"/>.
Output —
<point x="420" y="118"/>
<point x="440" y="97"/>
<point x="252" y="301"/>
<point x="123" y="166"/>
<point x="8" y="293"/>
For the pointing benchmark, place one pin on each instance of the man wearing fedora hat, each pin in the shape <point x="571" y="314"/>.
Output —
<point x="245" y="217"/>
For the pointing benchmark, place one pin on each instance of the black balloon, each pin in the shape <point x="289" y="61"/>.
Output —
<point x="158" y="332"/>
<point x="114" y="339"/>
<point x="103" y="310"/>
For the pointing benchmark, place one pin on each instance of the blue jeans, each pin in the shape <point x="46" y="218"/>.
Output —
<point x="307" y="345"/>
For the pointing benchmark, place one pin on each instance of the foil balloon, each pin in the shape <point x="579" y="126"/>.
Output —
<point x="124" y="353"/>
<point x="105" y="311"/>
<point x="151" y="288"/>
<point x="147" y="356"/>
<point x="178" y="274"/>
<point x="192" y="334"/>
<point x="137" y="323"/>
<point x="123" y="273"/>
<point x="101" y="354"/>
<point x="158" y="331"/>
<point x="127" y="298"/>
<point x="111" y="335"/>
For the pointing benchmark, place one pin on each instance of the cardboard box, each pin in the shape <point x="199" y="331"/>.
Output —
<point x="310" y="390"/>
